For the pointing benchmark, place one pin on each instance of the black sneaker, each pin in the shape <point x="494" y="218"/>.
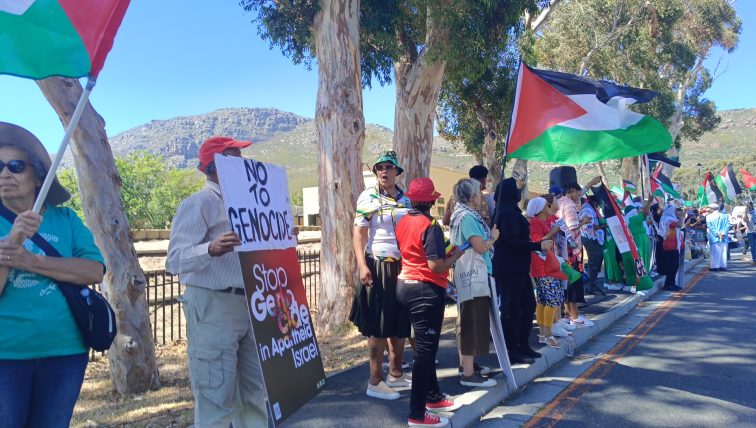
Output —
<point x="519" y="358"/>
<point x="477" y="381"/>
<point x="481" y="370"/>
<point x="528" y="351"/>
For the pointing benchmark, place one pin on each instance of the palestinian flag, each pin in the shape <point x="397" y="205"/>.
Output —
<point x="622" y="238"/>
<point x="728" y="184"/>
<point x="567" y="119"/>
<point x="629" y="186"/>
<point x="708" y="192"/>
<point x="665" y="183"/>
<point x="750" y="181"/>
<point x="657" y="189"/>
<point x="69" y="38"/>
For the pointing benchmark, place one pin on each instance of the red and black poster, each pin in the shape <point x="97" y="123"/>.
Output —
<point x="289" y="353"/>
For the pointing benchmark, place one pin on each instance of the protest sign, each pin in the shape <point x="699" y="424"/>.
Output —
<point x="257" y="203"/>
<point x="256" y="195"/>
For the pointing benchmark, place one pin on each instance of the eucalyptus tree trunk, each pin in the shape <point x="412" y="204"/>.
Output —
<point x="490" y="139"/>
<point x="133" y="368"/>
<point x="341" y="132"/>
<point x="418" y="82"/>
<point x="520" y="169"/>
<point x="630" y="170"/>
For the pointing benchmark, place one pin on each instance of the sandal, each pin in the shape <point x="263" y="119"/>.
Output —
<point x="552" y="342"/>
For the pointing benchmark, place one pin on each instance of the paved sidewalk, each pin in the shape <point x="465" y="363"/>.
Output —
<point x="343" y="402"/>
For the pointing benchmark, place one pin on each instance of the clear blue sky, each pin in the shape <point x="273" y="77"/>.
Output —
<point x="176" y="58"/>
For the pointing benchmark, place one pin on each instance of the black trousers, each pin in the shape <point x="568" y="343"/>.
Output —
<point x="517" y="308"/>
<point x="595" y="258"/>
<point x="425" y="302"/>
<point x="667" y="264"/>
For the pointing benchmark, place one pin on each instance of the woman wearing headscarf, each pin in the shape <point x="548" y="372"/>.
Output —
<point x="42" y="353"/>
<point x="548" y="284"/>
<point x="668" y="246"/>
<point x="635" y="216"/>
<point x="511" y="262"/>
<point x="421" y="289"/>
<point x="375" y="310"/>
<point x="473" y="322"/>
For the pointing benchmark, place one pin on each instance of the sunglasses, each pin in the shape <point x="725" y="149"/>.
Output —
<point x="16" y="166"/>
<point x="387" y="167"/>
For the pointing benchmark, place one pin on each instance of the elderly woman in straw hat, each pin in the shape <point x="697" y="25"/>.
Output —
<point x="375" y="310"/>
<point x="42" y="354"/>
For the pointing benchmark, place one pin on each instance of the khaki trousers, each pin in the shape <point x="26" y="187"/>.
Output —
<point x="224" y="368"/>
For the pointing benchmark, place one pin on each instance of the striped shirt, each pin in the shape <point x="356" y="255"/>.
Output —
<point x="380" y="213"/>
<point x="199" y="219"/>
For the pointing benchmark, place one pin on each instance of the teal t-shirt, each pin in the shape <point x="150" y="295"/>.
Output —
<point x="35" y="321"/>
<point x="469" y="227"/>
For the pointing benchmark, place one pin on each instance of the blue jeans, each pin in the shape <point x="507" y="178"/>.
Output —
<point x="40" y="392"/>
<point x="752" y="242"/>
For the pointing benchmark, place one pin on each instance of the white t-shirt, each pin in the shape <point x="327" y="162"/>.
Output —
<point x="380" y="213"/>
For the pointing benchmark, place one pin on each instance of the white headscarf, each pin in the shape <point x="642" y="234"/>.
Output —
<point x="535" y="206"/>
<point x="668" y="216"/>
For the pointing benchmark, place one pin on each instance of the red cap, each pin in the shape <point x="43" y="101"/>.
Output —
<point x="422" y="190"/>
<point x="214" y="145"/>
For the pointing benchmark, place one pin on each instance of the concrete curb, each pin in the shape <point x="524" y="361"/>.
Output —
<point x="483" y="401"/>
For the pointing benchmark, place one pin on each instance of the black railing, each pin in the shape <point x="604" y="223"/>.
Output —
<point x="165" y="308"/>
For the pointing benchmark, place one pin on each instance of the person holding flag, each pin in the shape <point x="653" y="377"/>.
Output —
<point x="668" y="246"/>
<point x="717" y="230"/>
<point x="750" y="220"/>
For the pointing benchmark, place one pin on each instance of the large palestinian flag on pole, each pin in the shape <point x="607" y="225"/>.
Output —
<point x="69" y="38"/>
<point x="708" y="192"/>
<point x="623" y="238"/>
<point x="749" y="180"/>
<point x="567" y="119"/>
<point x="728" y="184"/>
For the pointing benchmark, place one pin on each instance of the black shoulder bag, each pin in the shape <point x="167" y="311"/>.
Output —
<point x="93" y="314"/>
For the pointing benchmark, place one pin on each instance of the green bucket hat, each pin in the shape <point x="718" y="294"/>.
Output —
<point x="391" y="158"/>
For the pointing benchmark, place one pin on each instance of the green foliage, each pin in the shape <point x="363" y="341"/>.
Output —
<point x="150" y="189"/>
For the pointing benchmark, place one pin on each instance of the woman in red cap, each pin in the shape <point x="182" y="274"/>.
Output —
<point x="421" y="288"/>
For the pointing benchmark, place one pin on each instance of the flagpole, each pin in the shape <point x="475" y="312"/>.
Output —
<point x="64" y="144"/>
<point x="640" y="175"/>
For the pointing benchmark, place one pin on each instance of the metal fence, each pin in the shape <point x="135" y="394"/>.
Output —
<point x="165" y="308"/>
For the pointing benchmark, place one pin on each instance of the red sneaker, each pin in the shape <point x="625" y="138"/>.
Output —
<point x="445" y="404"/>
<point x="429" y="420"/>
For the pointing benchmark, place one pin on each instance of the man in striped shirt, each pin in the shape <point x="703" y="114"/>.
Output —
<point x="224" y="368"/>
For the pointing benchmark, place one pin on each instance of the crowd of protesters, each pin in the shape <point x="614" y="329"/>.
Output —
<point x="540" y="261"/>
<point x="518" y="262"/>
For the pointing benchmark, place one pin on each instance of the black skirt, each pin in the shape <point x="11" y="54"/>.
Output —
<point x="375" y="310"/>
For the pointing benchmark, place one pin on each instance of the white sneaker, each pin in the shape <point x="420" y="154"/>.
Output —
<point x="382" y="391"/>
<point x="558" y="330"/>
<point x="614" y="287"/>
<point x="628" y="288"/>
<point x="398" y="382"/>
<point x="566" y="325"/>
<point x="586" y="321"/>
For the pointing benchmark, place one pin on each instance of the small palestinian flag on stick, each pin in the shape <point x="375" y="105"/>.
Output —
<point x="708" y="192"/>
<point x="623" y="238"/>
<point x="665" y="182"/>
<point x="749" y="180"/>
<point x="629" y="186"/>
<point x="567" y="119"/>
<point x="728" y="184"/>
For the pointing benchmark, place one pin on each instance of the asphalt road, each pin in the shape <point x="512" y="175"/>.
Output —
<point x="690" y="362"/>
